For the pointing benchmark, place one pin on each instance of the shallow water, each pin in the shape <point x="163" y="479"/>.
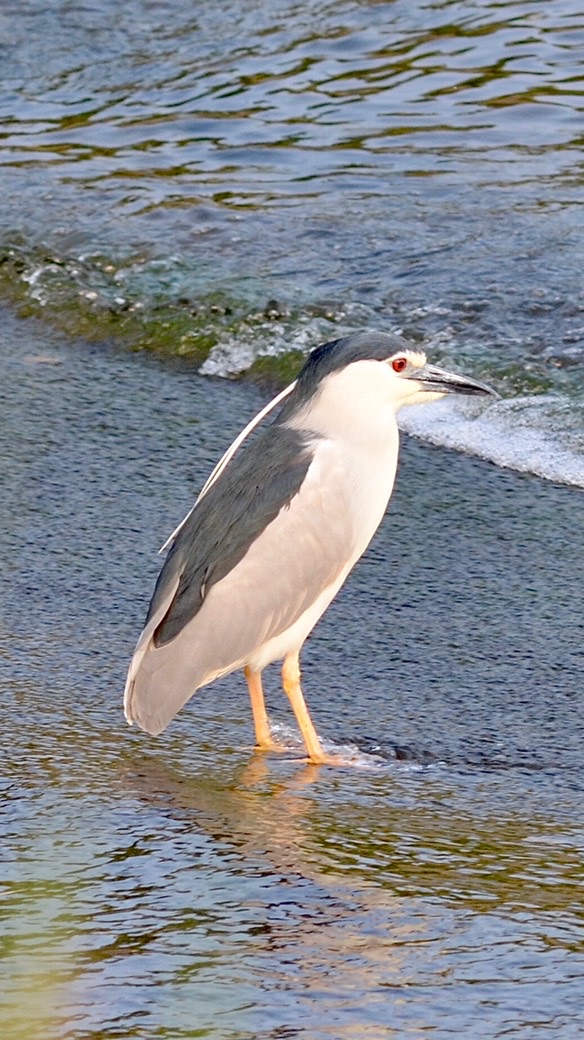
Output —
<point x="251" y="179"/>
<point x="187" y="887"/>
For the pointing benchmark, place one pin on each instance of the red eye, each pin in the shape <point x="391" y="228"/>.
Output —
<point x="399" y="363"/>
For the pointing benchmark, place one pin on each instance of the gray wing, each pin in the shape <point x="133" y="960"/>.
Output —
<point x="265" y="544"/>
<point x="219" y="531"/>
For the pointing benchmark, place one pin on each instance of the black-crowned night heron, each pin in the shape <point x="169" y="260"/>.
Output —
<point x="276" y="530"/>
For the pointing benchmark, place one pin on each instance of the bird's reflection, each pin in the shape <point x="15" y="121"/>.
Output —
<point x="250" y="806"/>
<point x="349" y="889"/>
<point x="307" y="920"/>
<point x="386" y="832"/>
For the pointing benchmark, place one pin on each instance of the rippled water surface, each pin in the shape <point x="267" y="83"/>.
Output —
<point x="232" y="183"/>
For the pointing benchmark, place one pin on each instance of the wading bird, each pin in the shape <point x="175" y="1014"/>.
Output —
<point x="277" y="528"/>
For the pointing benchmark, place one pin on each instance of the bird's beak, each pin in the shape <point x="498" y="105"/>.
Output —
<point x="437" y="381"/>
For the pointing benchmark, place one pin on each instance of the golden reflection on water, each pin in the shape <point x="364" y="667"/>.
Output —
<point x="363" y="833"/>
<point x="370" y="903"/>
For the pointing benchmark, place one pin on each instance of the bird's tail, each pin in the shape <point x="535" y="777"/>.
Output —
<point x="159" y="683"/>
<point x="161" y="679"/>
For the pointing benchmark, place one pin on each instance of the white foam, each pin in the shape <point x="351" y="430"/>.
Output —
<point x="231" y="356"/>
<point x="229" y="359"/>
<point x="543" y="434"/>
<point x="345" y="754"/>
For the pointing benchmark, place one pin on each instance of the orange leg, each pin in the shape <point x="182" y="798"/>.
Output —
<point x="258" y="707"/>
<point x="291" y="683"/>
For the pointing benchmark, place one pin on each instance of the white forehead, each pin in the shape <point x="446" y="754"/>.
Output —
<point x="415" y="358"/>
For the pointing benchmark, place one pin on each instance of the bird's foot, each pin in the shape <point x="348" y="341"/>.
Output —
<point x="325" y="759"/>
<point x="271" y="745"/>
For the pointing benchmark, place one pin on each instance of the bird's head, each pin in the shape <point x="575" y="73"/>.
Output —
<point x="414" y="381"/>
<point x="372" y="370"/>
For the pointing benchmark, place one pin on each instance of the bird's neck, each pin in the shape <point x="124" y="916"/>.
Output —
<point x="358" y="413"/>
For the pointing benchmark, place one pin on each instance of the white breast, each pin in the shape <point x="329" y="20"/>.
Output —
<point x="367" y="472"/>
